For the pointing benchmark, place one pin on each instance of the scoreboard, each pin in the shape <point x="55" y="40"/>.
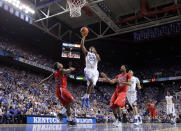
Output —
<point x="71" y="50"/>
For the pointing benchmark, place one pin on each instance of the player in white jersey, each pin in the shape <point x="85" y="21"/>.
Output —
<point x="170" y="108"/>
<point x="132" y="97"/>
<point x="91" y="73"/>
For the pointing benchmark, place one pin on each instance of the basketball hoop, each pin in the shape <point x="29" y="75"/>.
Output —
<point x="75" y="7"/>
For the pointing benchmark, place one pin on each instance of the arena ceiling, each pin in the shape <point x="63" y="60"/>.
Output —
<point x="104" y="18"/>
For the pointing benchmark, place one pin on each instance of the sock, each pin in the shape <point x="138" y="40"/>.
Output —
<point x="136" y="116"/>
<point x="63" y="110"/>
<point x="88" y="96"/>
<point x="119" y="118"/>
<point x="69" y="118"/>
<point x="115" y="115"/>
<point x="139" y="118"/>
<point x="85" y="96"/>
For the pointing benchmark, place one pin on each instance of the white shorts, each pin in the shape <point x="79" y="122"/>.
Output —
<point x="171" y="109"/>
<point x="91" y="75"/>
<point x="132" y="97"/>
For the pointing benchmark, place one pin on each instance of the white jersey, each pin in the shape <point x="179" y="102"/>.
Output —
<point x="91" y="61"/>
<point x="169" y="100"/>
<point x="134" y="81"/>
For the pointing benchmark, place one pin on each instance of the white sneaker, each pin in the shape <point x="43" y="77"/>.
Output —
<point x="140" y="122"/>
<point x="117" y="123"/>
<point x="136" y="122"/>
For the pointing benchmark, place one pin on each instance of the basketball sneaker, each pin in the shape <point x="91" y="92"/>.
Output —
<point x="71" y="123"/>
<point x="173" y="122"/>
<point x="136" y="122"/>
<point x="117" y="123"/>
<point x="59" y="116"/>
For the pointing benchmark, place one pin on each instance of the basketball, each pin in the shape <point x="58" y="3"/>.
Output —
<point x="84" y="31"/>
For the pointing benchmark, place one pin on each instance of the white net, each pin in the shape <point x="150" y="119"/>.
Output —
<point x="75" y="7"/>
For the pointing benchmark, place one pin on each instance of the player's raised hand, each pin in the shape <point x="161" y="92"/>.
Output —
<point x="72" y="68"/>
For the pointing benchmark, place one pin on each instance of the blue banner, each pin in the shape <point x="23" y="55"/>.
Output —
<point x="58" y="127"/>
<point x="54" y="120"/>
<point x="32" y="63"/>
<point x="47" y="120"/>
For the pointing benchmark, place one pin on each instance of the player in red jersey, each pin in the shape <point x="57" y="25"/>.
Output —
<point x="118" y="99"/>
<point x="152" y="109"/>
<point x="63" y="95"/>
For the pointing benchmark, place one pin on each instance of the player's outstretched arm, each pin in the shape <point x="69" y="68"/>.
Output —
<point x="67" y="71"/>
<point x="112" y="81"/>
<point x="43" y="81"/>
<point x="84" y="50"/>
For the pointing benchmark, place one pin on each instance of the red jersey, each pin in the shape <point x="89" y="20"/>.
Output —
<point x="151" y="106"/>
<point x="60" y="79"/>
<point x="122" y="78"/>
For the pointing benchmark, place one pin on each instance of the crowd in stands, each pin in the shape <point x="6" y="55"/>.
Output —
<point x="19" y="50"/>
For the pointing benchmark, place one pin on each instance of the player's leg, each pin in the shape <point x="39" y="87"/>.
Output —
<point x="120" y="103"/>
<point x="137" y="117"/>
<point x="131" y="98"/>
<point x="168" y="111"/>
<point x="70" y="119"/>
<point x="173" y="115"/>
<point x="120" y="114"/>
<point x="154" y="114"/>
<point x="88" y="92"/>
<point x="85" y="98"/>
<point x="92" y="82"/>
<point x="114" y="108"/>
<point x="67" y="101"/>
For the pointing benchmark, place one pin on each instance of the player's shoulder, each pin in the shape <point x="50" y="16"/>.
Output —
<point x="89" y="53"/>
<point x="134" y="77"/>
<point x="58" y="72"/>
<point x="119" y="75"/>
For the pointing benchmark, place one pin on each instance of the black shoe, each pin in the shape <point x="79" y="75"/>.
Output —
<point x="72" y="123"/>
<point x="59" y="116"/>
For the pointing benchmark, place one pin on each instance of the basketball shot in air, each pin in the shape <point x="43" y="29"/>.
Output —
<point x="91" y="73"/>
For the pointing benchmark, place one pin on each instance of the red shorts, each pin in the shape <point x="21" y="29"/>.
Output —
<point x="64" y="96"/>
<point x="118" y="99"/>
<point x="153" y="113"/>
